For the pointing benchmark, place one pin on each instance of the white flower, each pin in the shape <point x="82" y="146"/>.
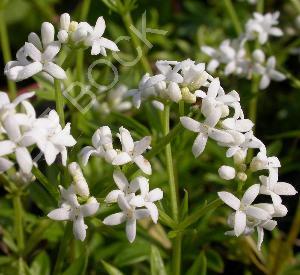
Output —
<point x="125" y="188"/>
<point x="7" y="107"/>
<point x="147" y="198"/>
<point x="129" y="215"/>
<point x="15" y="145"/>
<point x="36" y="56"/>
<point x="205" y="130"/>
<point x="132" y="151"/>
<point x="80" y="185"/>
<point x="263" y="26"/>
<point x="239" y="125"/>
<point x="269" y="73"/>
<point x="244" y="208"/>
<point x="102" y="146"/>
<point x="71" y="210"/>
<point x="51" y="139"/>
<point x="114" y="101"/>
<point x="226" y="172"/>
<point x="276" y="189"/>
<point x="261" y="162"/>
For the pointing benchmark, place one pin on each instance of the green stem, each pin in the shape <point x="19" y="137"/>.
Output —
<point x="233" y="16"/>
<point x="85" y="9"/>
<point x="63" y="248"/>
<point x="59" y="102"/>
<point x="19" y="222"/>
<point x="260" y="6"/>
<point x="136" y="42"/>
<point x="295" y="228"/>
<point x="6" y="53"/>
<point x="176" y="257"/>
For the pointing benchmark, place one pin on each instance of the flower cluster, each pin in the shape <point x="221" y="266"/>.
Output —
<point x="76" y="203"/>
<point x="131" y="151"/>
<point x="236" y="57"/>
<point x="38" y="55"/>
<point x="224" y="122"/>
<point x="133" y="206"/>
<point x="20" y="131"/>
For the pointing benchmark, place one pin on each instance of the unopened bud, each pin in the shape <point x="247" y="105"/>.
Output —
<point x="226" y="172"/>
<point x="187" y="96"/>
<point x="80" y="184"/>
<point x="241" y="176"/>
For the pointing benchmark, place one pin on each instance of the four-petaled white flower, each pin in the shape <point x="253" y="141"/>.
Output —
<point x="244" y="208"/>
<point x="129" y="215"/>
<point x="71" y="210"/>
<point x="36" y="56"/>
<point x="132" y="151"/>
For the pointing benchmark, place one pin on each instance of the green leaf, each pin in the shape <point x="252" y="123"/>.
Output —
<point x="5" y="260"/>
<point x="156" y="262"/>
<point x="199" y="266"/>
<point x="41" y="264"/>
<point x="214" y="261"/>
<point x="185" y="205"/>
<point x="111" y="270"/>
<point x="78" y="267"/>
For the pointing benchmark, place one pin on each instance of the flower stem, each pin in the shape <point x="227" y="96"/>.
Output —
<point x="176" y="258"/>
<point x="18" y="223"/>
<point x="59" y="102"/>
<point x="63" y="248"/>
<point x="135" y="40"/>
<point x="6" y="52"/>
<point x="233" y="16"/>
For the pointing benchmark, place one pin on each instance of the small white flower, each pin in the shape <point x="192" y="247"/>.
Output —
<point x="102" y="146"/>
<point x="36" y="56"/>
<point x="204" y="130"/>
<point x="71" y="210"/>
<point x="226" y="172"/>
<point x="263" y="26"/>
<point x="132" y="151"/>
<point x="80" y="185"/>
<point x="147" y="198"/>
<point x="49" y="136"/>
<point x="129" y="215"/>
<point x="244" y="208"/>
<point x="125" y="188"/>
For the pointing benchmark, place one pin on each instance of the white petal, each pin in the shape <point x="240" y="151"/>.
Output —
<point x="50" y="152"/>
<point x="143" y="164"/>
<point x="108" y="44"/>
<point x="33" y="52"/>
<point x="47" y="32"/>
<point x="90" y="208"/>
<point x="174" y="92"/>
<point x="137" y="201"/>
<point x="264" y="82"/>
<point x="156" y="194"/>
<point x="24" y="159"/>
<point x="199" y="145"/>
<point x="213" y="88"/>
<point x="239" y="222"/>
<point x="260" y="237"/>
<point x="64" y="21"/>
<point x="12" y="129"/>
<point x="190" y="124"/>
<point x="99" y="27"/>
<point x="6" y="147"/>
<point x="59" y="214"/>
<point x="115" y="219"/>
<point x="126" y="140"/>
<point x="131" y="230"/>
<point x="250" y="194"/>
<point x="141" y="183"/>
<point x="29" y="70"/>
<point x="120" y="180"/>
<point x="141" y="214"/>
<point x="123" y="204"/>
<point x="79" y="228"/>
<point x="51" y="51"/>
<point x="34" y="39"/>
<point x="5" y="164"/>
<point x="257" y="213"/>
<point x="220" y="136"/>
<point x="86" y="152"/>
<point x="121" y="159"/>
<point x="152" y="210"/>
<point x="141" y="146"/>
<point x="112" y="197"/>
<point x="285" y="189"/>
<point x="54" y="70"/>
<point x="229" y="199"/>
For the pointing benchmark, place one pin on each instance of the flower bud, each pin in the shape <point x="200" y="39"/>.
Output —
<point x="47" y="32"/>
<point x="73" y="26"/>
<point x="241" y="176"/>
<point x="187" y="96"/>
<point x="161" y="86"/>
<point x="65" y="21"/>
<point x="257" y="164"/>
<point x="226" y="172"/>
<point x="80" y="184"/>
<point x="239" y="157"/>
<point x="63" y="36"/>
<point x="225" y="111"/>
<point x="174" y="92"/>
<point x="258" y="55"/>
